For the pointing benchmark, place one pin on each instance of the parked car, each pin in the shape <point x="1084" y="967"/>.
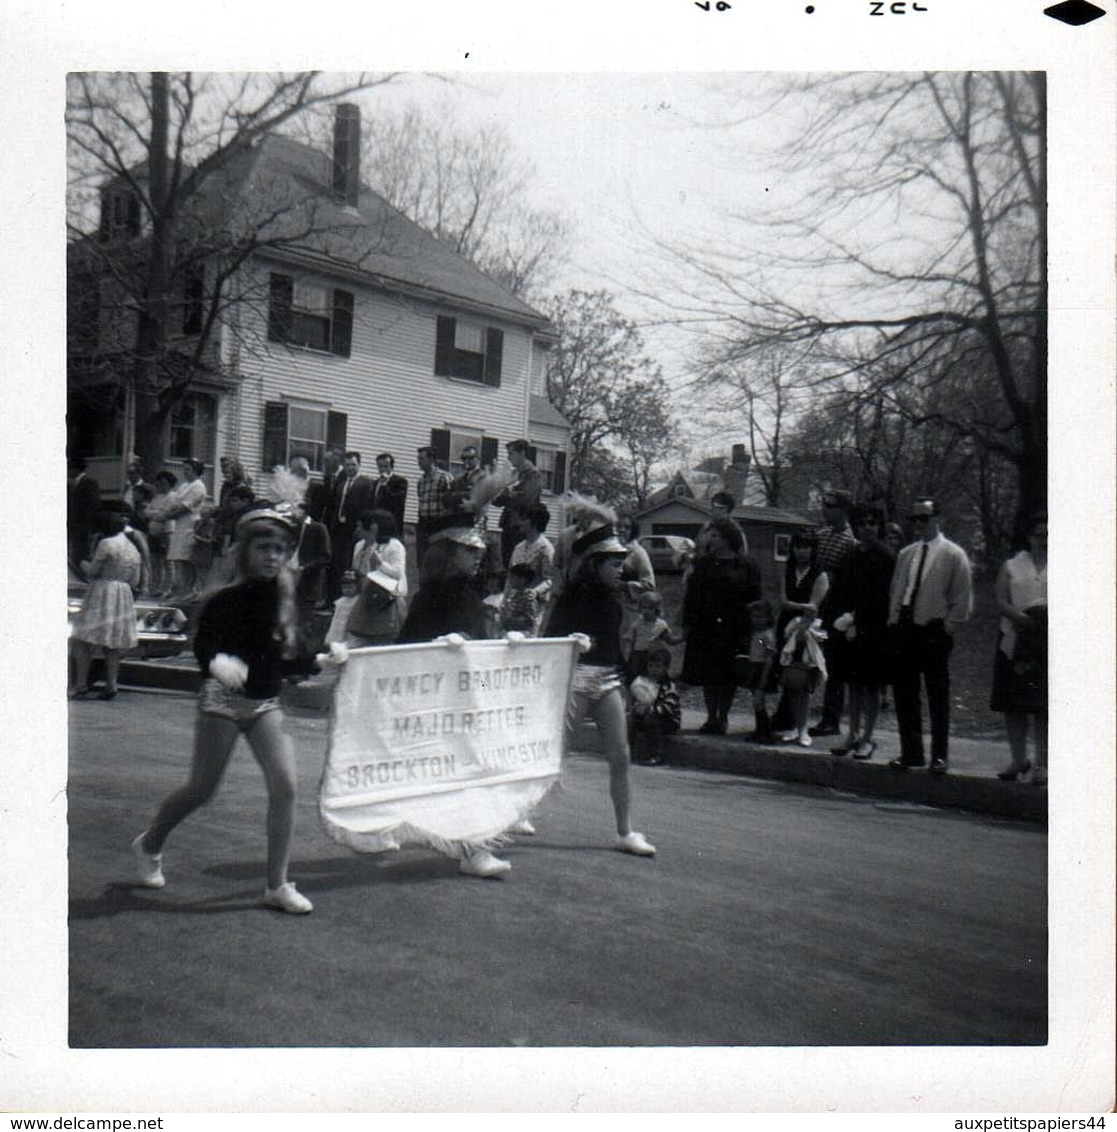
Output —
<point x="160" y="627"/>
<point x="668" y="553"/>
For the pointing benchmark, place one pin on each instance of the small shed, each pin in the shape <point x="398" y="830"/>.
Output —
<point x="767" y="529"/>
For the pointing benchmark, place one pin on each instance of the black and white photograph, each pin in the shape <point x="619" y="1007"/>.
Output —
<point x="556" y="551"/>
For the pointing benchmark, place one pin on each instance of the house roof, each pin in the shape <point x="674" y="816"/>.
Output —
<point x="543" y="412"/>
<point x="288" y="186"/>
<point x="374" y="238"/>
<point x="746" y="514"/>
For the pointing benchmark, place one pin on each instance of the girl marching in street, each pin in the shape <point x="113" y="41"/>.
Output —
<point x="590" y="605"/>
<point x="247" y="642"/>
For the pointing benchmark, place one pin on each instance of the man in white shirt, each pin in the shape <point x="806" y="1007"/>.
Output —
<point x="932" y="594"/>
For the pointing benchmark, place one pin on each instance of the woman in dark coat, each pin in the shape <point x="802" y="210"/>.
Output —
<point x="860" y="595"/>
<point x="716" y="619"/>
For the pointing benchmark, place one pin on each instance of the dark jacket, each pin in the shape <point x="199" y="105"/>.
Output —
<point x="391" y="495"/>
<point x="241" y="621"/>
<point x="588" y="606"/>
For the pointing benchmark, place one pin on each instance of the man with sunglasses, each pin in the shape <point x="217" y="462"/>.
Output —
<point x="932" y="594"/>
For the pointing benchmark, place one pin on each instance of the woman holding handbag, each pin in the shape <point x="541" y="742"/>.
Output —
<point x="380" y="563"/>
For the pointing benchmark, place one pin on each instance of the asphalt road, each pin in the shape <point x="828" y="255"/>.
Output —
<point x="774" y="914"/>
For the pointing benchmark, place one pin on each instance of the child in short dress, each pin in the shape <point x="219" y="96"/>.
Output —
<point x="519" y="608"/>
<point x="650" y="631"/>
<point x="756" y="667"/>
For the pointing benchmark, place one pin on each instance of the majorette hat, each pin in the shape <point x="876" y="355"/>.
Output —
<point x="459" y="527"/>
<point x="601" y="540"/>
<point x="263" y="512"/>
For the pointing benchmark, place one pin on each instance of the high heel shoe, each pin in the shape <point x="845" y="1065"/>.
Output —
<point x="1012" y="773"/>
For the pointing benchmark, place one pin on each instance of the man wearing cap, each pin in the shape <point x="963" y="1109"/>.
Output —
<point x="932" y="594"/>
<point x="836" y="540"/>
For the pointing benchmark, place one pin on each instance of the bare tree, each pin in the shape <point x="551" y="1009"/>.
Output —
<point x="175" y="146"/>
<point x="469" y="188"/>
<point x="609" y="390"/>
<point x="918" y="241"/>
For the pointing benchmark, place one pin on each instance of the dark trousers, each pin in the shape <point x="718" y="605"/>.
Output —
<point x="341" y="547"/>
<point x="921" y="652"/>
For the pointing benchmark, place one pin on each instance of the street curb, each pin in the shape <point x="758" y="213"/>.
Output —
<point x="982" y="795"/>
<point x="735" y="756"/>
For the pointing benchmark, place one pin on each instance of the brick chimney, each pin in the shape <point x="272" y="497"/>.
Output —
<point x="736" y="473"/>
<point x="347" y="153"/>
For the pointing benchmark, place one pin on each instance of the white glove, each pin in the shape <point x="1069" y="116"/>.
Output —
<point x="582" y="641"/>
<point x="844" y="622"/>
<point x="231" y="671"/>
<point x="338" y="654"/>
<point x="514" y="637"/>
<point x="454" y="640"/>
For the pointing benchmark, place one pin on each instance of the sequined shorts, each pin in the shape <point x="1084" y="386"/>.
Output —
<point x="216" y="699"/>
<point x="595" y="681"/>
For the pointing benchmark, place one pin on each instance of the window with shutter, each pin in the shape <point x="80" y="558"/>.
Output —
<point x="341" y="332"/>
<point x="275" y="435"/>
<point x="440" y="443"/>
<point x="490" y="451"/>
<point x="280" y="292"/>
<point x="468" y="351"/>
<point x="559" y="484"/>
<point x="305" y="312"/>
<point x="193" y="296"/>
<point x="300" y="429"/>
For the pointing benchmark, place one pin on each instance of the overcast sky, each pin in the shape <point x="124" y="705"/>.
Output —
<point x="625" y="157"/>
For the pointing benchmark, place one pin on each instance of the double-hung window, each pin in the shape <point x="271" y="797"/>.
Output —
<point x="307" y="312"/>
<point x="551" y="463"/>
<point x="301" y="429"/>
<point x="468" y="350"/>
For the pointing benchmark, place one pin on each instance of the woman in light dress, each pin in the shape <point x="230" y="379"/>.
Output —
<point x="108" y="614"/>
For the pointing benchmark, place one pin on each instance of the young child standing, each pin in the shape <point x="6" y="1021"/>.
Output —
<point x="519" y="607"/>
<point x="803" y="663"/>
<point x="648" y="632"/>
<point x="655" y="709"/>
<point x="756" y="666"/>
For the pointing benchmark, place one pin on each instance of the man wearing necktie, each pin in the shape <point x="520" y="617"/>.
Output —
<point x="389" y="491"/>
<point x="352" y="494"/>
<point x="932" y="594"/>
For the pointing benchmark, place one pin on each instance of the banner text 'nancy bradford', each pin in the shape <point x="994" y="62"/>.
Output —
<point x="435" y="744"/>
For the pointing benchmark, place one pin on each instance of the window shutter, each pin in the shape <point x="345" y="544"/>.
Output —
<point x="133" y="215"/>
<point x="193" y="288"/>
<point x="444" y="347"/>
<point x="341" y="329"/>
<point x="440" y="442"/>
<point x="494" y="353"/>
<point x="106" y="217"/>
<point x="281" y="294"/>
<point x="337" y="428"/>
<point x="490" y="451"/>
<point x="275" y="434"/>
<point x="560" y="473"/>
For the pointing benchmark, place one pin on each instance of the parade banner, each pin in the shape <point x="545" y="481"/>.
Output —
<point x="435" y="744"/>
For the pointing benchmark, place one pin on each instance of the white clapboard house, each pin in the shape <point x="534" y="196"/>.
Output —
<point x="367" y="333"/>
